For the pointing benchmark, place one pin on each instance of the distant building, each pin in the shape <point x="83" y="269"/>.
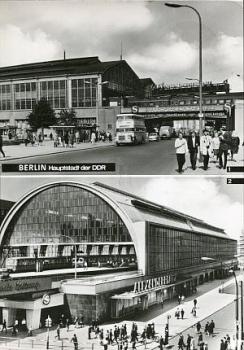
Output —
<point x="241" y="250"/>
<point x="178" y="106"/>
<point x="148" y="87"/>
<point x="5" y="206"/>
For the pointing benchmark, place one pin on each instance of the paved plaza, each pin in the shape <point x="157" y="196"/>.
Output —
<point x="205" y="308"/>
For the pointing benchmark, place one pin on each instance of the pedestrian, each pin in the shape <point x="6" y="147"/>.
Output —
<point x="215" y="145"/>
<point x="75" y="342"/>
<point x="4" y="326"/>
<point x="222" y="345"/>
<point x="179" y="299"/>
<point x="93" y="137"/>
<point x="200" y="338"/>
<point x="105" y="344"/>
<point x="198" y="326"/>
<point x="195" y="302"/>
<point x="58" y="332"/>
<point x="193" y="143"/>
<point x="205" y="148"/>
<point x="188" y="342"/>
<point x="206" y="329"/>
<point x="182" y="312"/>
<point x="181" y="150"/>
<point x="161" y="343"/>
<point x="177" y="313"/>
<point x="67" y="324"/>
<point x="225" y="145"/>
<point x="181" y="343"/>
<point x="234" y="147"/>
<point x="89" y="332"/>
<point x="1" y="146"/>
<point x="211" y="327"/>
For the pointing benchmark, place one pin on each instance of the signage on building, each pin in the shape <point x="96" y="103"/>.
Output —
<point x="10" y="286"/>
<point x="153" y="283"/>
<point x="135" y="109"/>
<point x="46" y="299"/>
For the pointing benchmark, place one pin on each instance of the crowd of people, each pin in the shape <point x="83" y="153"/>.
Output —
<point x="215" y="145"/>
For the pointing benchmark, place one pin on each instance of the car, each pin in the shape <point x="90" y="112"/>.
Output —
<point x="153" y="136"/>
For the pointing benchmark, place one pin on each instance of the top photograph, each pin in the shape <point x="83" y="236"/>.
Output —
<point x="121" y="87"/>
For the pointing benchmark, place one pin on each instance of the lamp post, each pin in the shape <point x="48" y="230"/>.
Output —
<point x="96" y="86"/>
<point x="200" y="60"/>
<point x="75" y="251"/>
<point x="237" y="309"/>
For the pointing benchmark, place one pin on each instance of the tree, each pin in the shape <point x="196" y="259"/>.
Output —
<point x="67" y="117"/>
<point x="42" y="115"/>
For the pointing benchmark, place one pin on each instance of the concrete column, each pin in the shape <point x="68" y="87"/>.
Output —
<point x="33" y="318"/>
<point x="9" y="315"/>
<point x="69" y="91"/>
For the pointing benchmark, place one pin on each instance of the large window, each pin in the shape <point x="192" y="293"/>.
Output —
<point x="55" y="92"/>
<point x="84" y="92"/>
<point x="66" y="211"/>
<point x="5" y="97"/>
<point x="171" y="249"/>
<point x="25" y="95"/>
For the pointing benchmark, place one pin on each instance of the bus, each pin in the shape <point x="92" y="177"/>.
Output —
<point x="130" y="129"/>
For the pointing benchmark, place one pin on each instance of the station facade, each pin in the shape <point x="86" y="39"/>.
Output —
<point x="84" y="84"/>
<point x="148" y="253"/>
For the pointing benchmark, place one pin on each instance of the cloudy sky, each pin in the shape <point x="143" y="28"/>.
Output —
<point x="158" y="41"/>
<point x="209" y="199"/>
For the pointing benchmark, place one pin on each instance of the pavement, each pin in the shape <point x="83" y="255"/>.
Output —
<point x="21" y="151"/>
<point x="205" y="308"/>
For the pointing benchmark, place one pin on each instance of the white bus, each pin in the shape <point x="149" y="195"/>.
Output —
<point x="130" y="129"/>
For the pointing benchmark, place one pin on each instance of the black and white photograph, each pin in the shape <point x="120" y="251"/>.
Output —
<point x="155" y="88"/>
<point x="127" y="263"/>
<point x="121" y="175"/>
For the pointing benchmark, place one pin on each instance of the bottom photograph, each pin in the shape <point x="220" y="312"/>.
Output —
<point x="124" y="262"/>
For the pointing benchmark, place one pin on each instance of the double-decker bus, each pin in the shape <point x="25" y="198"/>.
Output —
<point x="130" y="129"/>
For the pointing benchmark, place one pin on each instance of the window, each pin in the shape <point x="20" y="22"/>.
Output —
<point x="55" y="92"/>
<point x="84" y="92"/>
<point x="5" y="97"/>
<point x="25" y="95"/>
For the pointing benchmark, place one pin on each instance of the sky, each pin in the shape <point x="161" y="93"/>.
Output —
<point x="157" y="41"/>
<point x="209" y="199"/>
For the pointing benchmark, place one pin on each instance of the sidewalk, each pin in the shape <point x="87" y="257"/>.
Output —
<point x="214" y="166"/>
<point x="205" y="308"/>
<point x="14" y="152"/>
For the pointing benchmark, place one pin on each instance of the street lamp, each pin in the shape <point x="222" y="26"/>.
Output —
<point x="237" y="309"/>
<point x="96" y="86"/>
<point x="200" y="60"/>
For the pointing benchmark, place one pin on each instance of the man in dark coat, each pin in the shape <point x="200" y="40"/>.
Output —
<point x="193" y="142"/>
<point x="225" y="145"/>
<point x="1" y="146"/>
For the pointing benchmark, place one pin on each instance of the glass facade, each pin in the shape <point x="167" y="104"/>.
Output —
<point x="172" y="249"/>
<point x="25" y="95"/>
<point x="84" y="92"/>
<point x="5" y="97"/>
<point x="55" y="92"/>
<point x="63" y="214"/>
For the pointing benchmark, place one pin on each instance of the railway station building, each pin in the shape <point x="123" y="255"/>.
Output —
<point x="139" y="252"/>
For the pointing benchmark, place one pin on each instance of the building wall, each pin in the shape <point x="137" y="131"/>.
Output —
<point x="173" y="249"/>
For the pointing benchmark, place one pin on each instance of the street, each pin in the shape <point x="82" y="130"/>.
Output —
<point x="154" y="158"/>
<point x="149" y="159"/>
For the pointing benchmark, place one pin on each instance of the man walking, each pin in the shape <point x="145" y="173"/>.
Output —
<point x="75" y="342"/>
<point x="1" y="146"/>
<point x="205" y="148"/>
<point x="181" y="150"/>
<point x="225" y="145"/>
<point x="193" y="142"/>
